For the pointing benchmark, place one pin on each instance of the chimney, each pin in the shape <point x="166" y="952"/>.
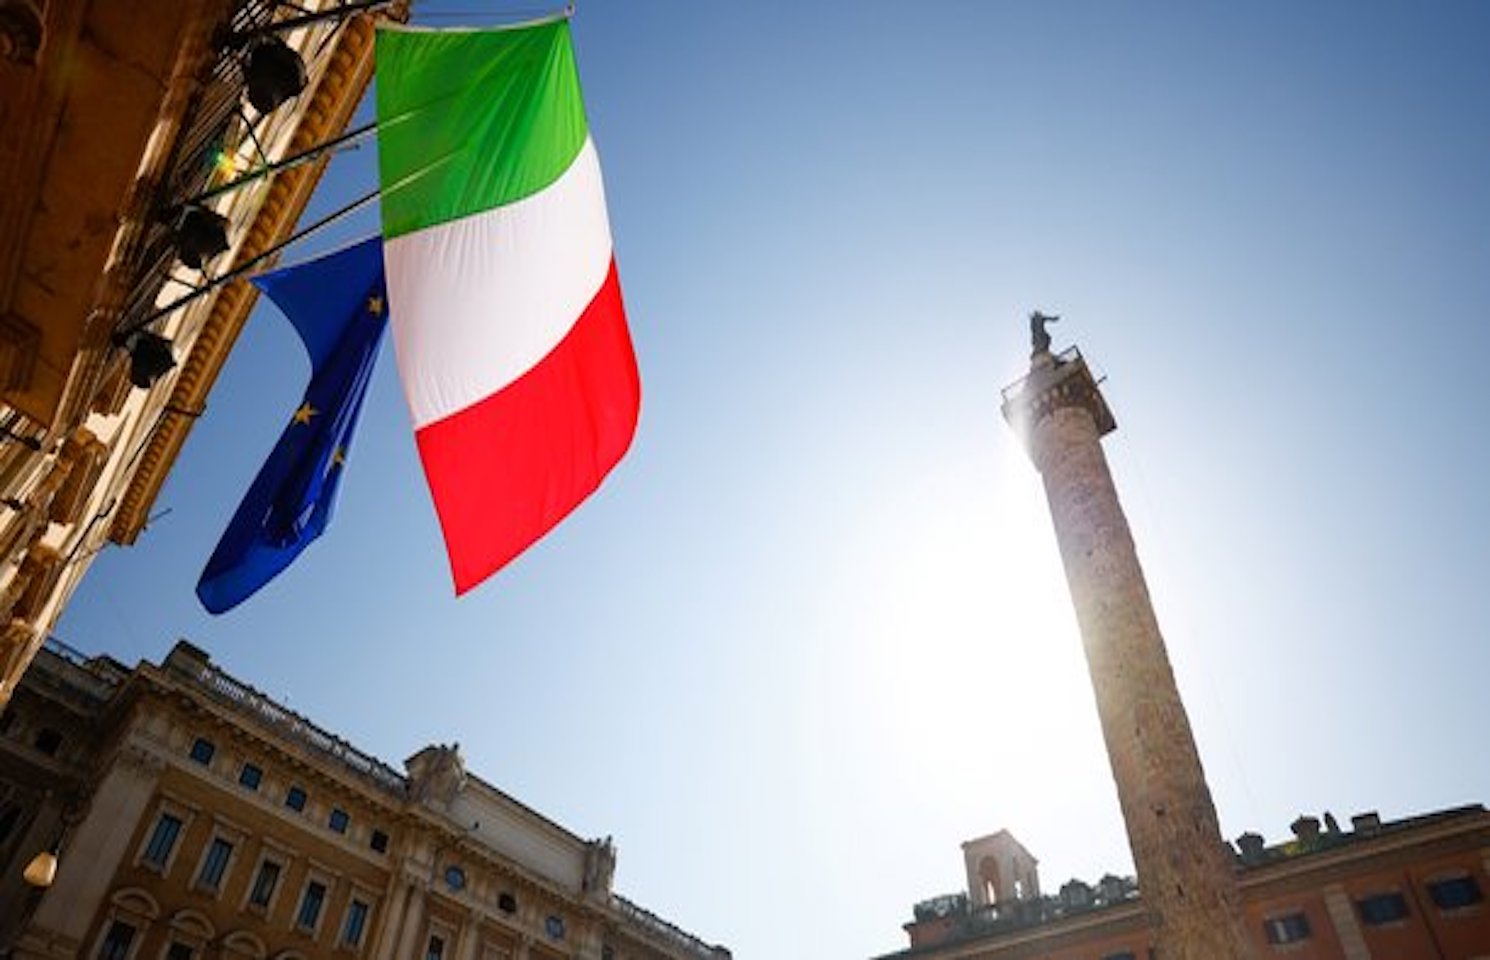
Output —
<point x="1306" y="829"/>
<point x="1366" y="824"/>
<point x="1251" y="845"/>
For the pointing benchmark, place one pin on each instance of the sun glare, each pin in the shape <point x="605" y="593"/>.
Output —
<point x="962" y="628"/>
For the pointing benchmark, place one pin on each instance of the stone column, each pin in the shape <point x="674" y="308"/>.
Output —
<point x="1185" y="871"/>
<point x="468" y="938"/>
<point x="408" y="940"/>
<point x="392" y="917"/>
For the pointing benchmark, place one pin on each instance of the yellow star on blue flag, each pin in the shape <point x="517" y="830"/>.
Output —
<point x="330" y="301"/>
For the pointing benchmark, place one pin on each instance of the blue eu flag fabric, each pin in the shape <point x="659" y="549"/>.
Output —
<point x="338" y="305"/>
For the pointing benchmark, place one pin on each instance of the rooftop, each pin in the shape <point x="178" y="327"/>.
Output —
<point x="101" y="677"/>
<point x="1312" y="838"/>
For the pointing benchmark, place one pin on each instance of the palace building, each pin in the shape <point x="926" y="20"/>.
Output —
<point x="1380" y="890"/>
<point x="191" y="816"/>
<point x="136" y="134"/>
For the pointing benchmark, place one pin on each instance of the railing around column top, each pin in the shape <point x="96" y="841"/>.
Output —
<point x="1014" y="389"/>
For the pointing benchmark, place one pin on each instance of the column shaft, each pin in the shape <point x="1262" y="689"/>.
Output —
<point x="1185" y="871"/>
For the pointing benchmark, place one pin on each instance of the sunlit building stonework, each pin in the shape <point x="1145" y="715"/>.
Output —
<point x="119" y="117"/>
<point x="194" y="817"/>
<point x="1412" y="888"/>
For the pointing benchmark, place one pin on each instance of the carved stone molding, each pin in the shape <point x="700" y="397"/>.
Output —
<point x="139" y="759"/>
<point x="19" y="339"/>
<point x="436" y="775"/>
<point x="84" y="455"/>
<point x="16" y="640"/>
<point x="41" y="568"/>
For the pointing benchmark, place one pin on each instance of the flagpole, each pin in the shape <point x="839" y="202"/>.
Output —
<point x="125" y="332"/>
<point x="129" y="330"/>
<point x="286" y="163"/>
<point x="565" y="13"/>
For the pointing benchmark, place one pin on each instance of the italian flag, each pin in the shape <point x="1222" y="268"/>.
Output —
<point x="506" y="312"/>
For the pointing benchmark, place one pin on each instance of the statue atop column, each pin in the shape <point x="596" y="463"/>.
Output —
<point x="1039" y="339"/>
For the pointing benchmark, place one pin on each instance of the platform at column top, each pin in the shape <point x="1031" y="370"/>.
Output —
<point x="1055" y="381"/>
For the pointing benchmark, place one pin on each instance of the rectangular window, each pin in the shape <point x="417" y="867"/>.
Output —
<point x="436" y="949"/>
<point x="217" y="861"/>
<point x="48" y="741"/>
<point x="1454" y="893"/>
<point x="1382" y="908"/>
<point x="116" y="944"/>
<point x="202" y="751"/>
<point x="1124" y="955"/>
<point x="179" y="951"/>
<point x="351" y="930"/>
<point x="1288" y="929"/>
<point x="158" y="850"/>
<point x="310" y="905"/>
<point x="295" y="799"/>
<point x="264" y="882"/>
<point x="339" y="820"/>
<point x="379" y="841"/>
<point x="250" y="776"/>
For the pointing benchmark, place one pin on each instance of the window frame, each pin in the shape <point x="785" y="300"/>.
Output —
<point x="216" y="884"/>
<point x="291" y="792"/>
<point x="1279" y="922"/>
<point x="357" y="897"/>
<point x="1381" y="896"/>
<point x="211" y="753"/>
<point x="243" y="776"/>
<point x="131" y="949"/>
<point x="181" y="813"/>
<point x="1440" y="880"/>
<point x="53" y="736"/>
<point x="339" y="813"/>
<point x="327" y="885"/>
<point x="280" y="862"/>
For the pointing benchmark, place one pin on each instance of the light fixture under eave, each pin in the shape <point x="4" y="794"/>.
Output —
<point x="42" y="869"/>
<point x="201" y="234"/>
<point x="273" y="73"/>
<point x="150" y="358"/>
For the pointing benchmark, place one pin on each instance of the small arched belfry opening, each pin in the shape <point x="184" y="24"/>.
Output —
<point x="1000" y="871"/>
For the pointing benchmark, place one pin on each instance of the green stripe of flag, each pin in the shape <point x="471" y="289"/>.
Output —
<point x="473" y="119"/>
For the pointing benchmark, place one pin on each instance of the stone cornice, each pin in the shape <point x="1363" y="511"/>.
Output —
<point x="1394" y="848"/>
<point x="330" y="109"/>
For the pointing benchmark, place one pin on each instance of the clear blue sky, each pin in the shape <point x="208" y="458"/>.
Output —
<point x="813" y="633"/>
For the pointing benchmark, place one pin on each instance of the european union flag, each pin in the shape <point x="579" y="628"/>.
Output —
<point x="338" y="305"/>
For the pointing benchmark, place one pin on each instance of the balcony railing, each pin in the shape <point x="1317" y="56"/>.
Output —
<point x="659" y="927"/>
<point x="99" y="676"/>
<point x="235" y="693"/>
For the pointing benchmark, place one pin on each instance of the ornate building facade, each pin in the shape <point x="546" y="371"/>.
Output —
<point x="1412" y="888"/>
<point x="194" y="817"/>
<point x="119" y="119"/>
